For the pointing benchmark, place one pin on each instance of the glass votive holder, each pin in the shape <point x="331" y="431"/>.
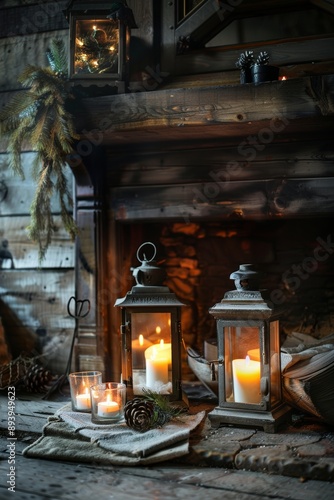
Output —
<point x="80" y="383"/>
<point x="108" y="400"/>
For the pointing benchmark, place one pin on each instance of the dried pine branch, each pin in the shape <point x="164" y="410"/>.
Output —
<point x="38" y="115"/>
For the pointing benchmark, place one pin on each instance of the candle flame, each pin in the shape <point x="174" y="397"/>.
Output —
<point x="158" y="330"/>
<point x="141" y="339"/>
<point x="108" y="398"/>
<point x="247" y="359"/>
<point x="161" y="342"/>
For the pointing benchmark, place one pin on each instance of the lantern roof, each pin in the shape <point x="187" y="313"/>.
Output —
<point x="247" y="301"/>
<point x="116" y="10"/>
<point x="149" y="296"/>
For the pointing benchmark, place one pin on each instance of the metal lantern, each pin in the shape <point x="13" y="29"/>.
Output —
<point x="249" y="371"/>
<point x="151" y="332"/>
<point x="99" y="42"/>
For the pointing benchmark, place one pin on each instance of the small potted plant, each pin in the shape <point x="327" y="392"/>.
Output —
<point x="245" y="63"/>
<point x="262" y="71"/>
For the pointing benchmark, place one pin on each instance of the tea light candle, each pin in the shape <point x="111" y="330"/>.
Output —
<point x="246" y="380"/>
<point x="83" y="401"/>
<point x="106" y="409"/>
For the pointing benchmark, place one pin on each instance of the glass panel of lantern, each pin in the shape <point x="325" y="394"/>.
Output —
<point x="151" y="333"/>
<point x="96" y="47"/>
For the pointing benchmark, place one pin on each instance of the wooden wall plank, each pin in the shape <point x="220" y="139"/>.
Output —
<point x="38" y="296"/>
<point x="26" y="19"/>
<point x="244" y="199"/>
<point x="20" y="193"/>
<point x="21" y="51"/>
<point x="33" y="307"/>
<point x="24" y="252"/>
<point x="149" y="172"/>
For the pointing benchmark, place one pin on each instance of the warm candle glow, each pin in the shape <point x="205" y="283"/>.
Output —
<point x="158" y="357"/>
<point x="83" y="400"/>
<point x="246" y="380"/>
<point x="139" y="347"/>
<point x="107" y="408"/>
<point x="254" y="354"/>
<point x="158" y="330"/>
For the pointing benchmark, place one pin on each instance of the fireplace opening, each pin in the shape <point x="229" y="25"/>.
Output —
<point x="294" y="256"/>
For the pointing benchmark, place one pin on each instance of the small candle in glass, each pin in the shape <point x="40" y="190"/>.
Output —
<point x="80" y="383"/>
<point x="108" y="400"/>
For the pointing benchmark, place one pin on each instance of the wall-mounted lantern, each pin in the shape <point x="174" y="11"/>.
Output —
<point x="249" y="368"/>
<point x="151" y="332"/>
<point x="99" y="42"/>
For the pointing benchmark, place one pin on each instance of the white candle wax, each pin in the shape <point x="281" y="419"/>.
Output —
<point x="106" y="409"/>
<point x="83" y="401"/>
<point x="158" y="357"/>
<point x="246" y="380"/>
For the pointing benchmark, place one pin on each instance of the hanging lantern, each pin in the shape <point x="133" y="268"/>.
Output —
<point x="249" y="368"/>
<point x="99" y="42"/>
<point x="151" y="332"/>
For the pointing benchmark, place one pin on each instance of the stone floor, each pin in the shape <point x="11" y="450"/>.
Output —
<point x="296" y="462"/>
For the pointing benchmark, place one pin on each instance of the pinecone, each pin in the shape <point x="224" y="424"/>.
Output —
<point x="36" y="378"/>
<point x="142" y="415"/>
<point x="139" y="414"/>
<point x="246" y="60"/>
<point x="262" y="58"/>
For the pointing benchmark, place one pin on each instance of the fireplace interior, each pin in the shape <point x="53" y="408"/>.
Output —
<point x="215" y="177"/>
<point x="294" y="257"/>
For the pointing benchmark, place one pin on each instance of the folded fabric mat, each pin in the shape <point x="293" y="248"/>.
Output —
<point x="71" y="436"/>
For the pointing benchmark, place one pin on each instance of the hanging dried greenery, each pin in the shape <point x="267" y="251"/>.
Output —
<point x="37" y="115"/>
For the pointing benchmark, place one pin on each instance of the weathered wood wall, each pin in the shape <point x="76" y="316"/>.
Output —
<point x="33" y="298"/>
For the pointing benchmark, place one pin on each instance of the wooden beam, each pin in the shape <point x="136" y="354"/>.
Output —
<point x="219" y="199"/>
<point x="220" y="112"/>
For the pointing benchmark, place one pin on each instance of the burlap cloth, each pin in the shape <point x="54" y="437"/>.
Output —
<point x="71" y="436"/>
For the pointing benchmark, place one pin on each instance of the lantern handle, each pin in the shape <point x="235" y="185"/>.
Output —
<point x="144" y="256"/>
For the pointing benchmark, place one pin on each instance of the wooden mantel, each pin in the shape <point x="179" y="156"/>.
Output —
<point x="297" y="106"/>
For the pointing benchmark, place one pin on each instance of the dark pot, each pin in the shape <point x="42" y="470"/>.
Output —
<point x="264" y="73"/>
<point x="246" y="76"/>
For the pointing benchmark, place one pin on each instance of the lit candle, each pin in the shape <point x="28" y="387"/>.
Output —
<point x="167" y="348"/>
<point x="83" y="400"/>
<point x="158" y="357"/>
<point x="246" y="380"/>
<point x="139" y="347"/>
<point x="107" y="409"/>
